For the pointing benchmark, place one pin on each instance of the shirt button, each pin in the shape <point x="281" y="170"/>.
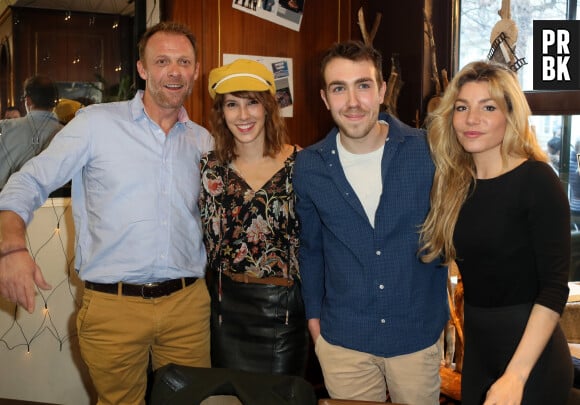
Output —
<point x="383" y="321"/>
<point x="381" y="286"/>
<point x="378" y="252"/>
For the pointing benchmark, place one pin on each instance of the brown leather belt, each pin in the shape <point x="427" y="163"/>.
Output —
<point x="245" y="278"/>
<point x="149" y="290"/>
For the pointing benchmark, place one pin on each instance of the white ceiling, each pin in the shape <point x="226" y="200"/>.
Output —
<point x="123" y="7"/>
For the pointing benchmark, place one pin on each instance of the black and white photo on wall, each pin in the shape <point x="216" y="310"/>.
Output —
<point x="287" y="13"/>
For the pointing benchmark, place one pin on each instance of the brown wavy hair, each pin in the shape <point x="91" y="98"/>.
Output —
<point x="454" y="167"/>
<point x="276" y="132"/>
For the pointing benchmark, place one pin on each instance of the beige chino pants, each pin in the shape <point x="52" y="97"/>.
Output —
<point x="409" y="379"/>
<point x="118" y="333"/>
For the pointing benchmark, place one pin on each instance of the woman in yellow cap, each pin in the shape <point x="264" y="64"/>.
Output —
<point x="258" y="322"/>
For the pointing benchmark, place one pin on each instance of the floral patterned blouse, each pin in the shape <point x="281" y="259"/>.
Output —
<point x="247" y="231"/>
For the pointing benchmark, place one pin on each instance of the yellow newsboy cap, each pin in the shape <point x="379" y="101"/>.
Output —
<point x="241" y="75"/>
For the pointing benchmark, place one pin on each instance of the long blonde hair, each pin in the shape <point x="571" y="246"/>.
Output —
<point x="454" y="167"/>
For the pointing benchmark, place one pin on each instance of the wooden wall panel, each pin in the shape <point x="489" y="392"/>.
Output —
<point x="193" y="14"/>
<point x="221" y="29"/>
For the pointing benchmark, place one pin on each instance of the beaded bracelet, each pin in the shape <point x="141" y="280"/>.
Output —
<point x="13" y="251"/>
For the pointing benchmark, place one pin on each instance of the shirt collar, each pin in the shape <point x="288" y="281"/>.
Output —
<point x="138" y="109"/>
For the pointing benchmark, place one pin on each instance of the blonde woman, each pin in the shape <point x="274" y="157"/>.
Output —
<point x="499" y="211"/>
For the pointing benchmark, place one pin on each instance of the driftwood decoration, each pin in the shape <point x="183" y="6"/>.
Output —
<point x="436" y="98"/>
<point x="507" y="26"/>
<point x="458" y="320"/>
<point x="394" y="85"/>
<point x="394" y="82"/>
<point x="451" y="376"/>
<point x="368" y="38"/>
<point x="445" y="79"/>
<point x="504" y="36"/>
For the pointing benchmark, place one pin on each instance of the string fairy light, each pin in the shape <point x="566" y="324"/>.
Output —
<point x="18" y="329"/>
<point x="23" y="333"/>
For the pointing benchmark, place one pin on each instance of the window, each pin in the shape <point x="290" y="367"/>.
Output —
<point x="481" y="16"/>
<point x="556" y="118"/>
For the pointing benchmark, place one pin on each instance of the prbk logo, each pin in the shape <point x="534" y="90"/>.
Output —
<point x="556" y="55"/>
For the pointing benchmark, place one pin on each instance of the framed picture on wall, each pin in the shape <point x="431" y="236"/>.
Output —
<point x="287" y="13"/>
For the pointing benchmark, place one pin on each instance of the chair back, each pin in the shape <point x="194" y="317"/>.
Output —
<point x="181" y="385"/>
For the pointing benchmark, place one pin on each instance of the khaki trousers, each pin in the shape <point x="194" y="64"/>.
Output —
<point x="409" y="379"/>
<point x="118" y="334"/>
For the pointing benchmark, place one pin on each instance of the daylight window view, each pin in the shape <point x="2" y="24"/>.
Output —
<point x="560" y="135"/>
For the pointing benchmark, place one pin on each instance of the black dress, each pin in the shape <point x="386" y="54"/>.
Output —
<point x="513" y="250"/>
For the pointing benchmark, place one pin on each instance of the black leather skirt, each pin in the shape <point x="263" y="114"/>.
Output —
<point x="258" y="328"/>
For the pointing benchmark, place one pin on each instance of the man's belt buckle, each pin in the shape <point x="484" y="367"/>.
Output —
<point x="146" y="288"/>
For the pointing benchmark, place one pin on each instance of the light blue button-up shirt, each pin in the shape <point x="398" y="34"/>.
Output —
<point x="134" y="192"/>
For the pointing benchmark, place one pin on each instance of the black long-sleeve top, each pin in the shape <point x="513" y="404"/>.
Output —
<point x="513" y="240"/>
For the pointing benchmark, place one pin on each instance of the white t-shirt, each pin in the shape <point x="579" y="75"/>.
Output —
<point x="363" y="172"/>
